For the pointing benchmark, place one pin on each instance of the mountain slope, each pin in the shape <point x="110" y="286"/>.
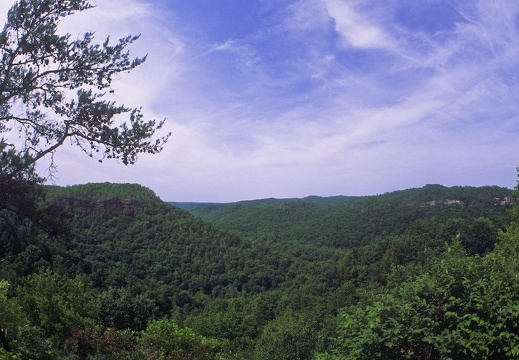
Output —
<point x="268" y="277"/>
<point x="353" y="221"/>
<point x="127" y="227"/>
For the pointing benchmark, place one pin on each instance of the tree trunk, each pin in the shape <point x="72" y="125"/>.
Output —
<point x="3" y="341"/>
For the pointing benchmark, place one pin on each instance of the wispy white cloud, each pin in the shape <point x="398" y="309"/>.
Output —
<point x="304" y="15"/>
<point x="326" y="97"/>
<point x="358" y="29"/>
<point x="360" y="133"/>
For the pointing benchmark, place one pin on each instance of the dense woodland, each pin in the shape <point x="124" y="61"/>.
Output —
<point x="110" y="271"/>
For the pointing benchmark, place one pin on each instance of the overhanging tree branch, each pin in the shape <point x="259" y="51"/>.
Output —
<point x="39" y="72"/>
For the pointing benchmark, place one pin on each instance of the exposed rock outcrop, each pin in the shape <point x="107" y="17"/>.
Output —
<point x="108" y="205"/>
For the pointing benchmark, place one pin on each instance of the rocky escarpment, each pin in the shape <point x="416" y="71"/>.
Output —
<point x="507" y="201"/>
<point x="106" y="205"/>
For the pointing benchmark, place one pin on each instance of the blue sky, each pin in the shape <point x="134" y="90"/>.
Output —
<point x="314" y="97"/>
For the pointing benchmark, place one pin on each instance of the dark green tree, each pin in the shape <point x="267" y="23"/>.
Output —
<point x="164" y="339"/>
<point x="460" y="307"/>
<point x="121" y="309"/>
<point x="290" y="336"/>
<point x="54" y="89"/>
<point x="56" y="304"/>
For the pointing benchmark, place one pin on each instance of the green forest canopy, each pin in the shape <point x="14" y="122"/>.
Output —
<point x="117" y="273"/>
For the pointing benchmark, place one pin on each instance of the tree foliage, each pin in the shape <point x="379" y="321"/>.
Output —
<point x="165" y="340"/>
<point x="343" y="222"/>
<point x="53" y="88"/>
<point x="120" y="274"/>
<point x="457" y="307"/>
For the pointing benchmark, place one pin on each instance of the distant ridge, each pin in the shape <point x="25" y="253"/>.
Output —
<point x="351" y="220"/>
<point x="429" y="189"/>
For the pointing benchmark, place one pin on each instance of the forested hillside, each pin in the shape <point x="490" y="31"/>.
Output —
<point x="354" y="221"/>
<point x="109" y="271"/>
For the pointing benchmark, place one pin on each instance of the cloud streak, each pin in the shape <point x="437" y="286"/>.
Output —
<point x="321" y="97"/>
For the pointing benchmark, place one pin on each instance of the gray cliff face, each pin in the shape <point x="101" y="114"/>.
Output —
<point x="109" y="205"/>
<point x="507" y="201"/>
